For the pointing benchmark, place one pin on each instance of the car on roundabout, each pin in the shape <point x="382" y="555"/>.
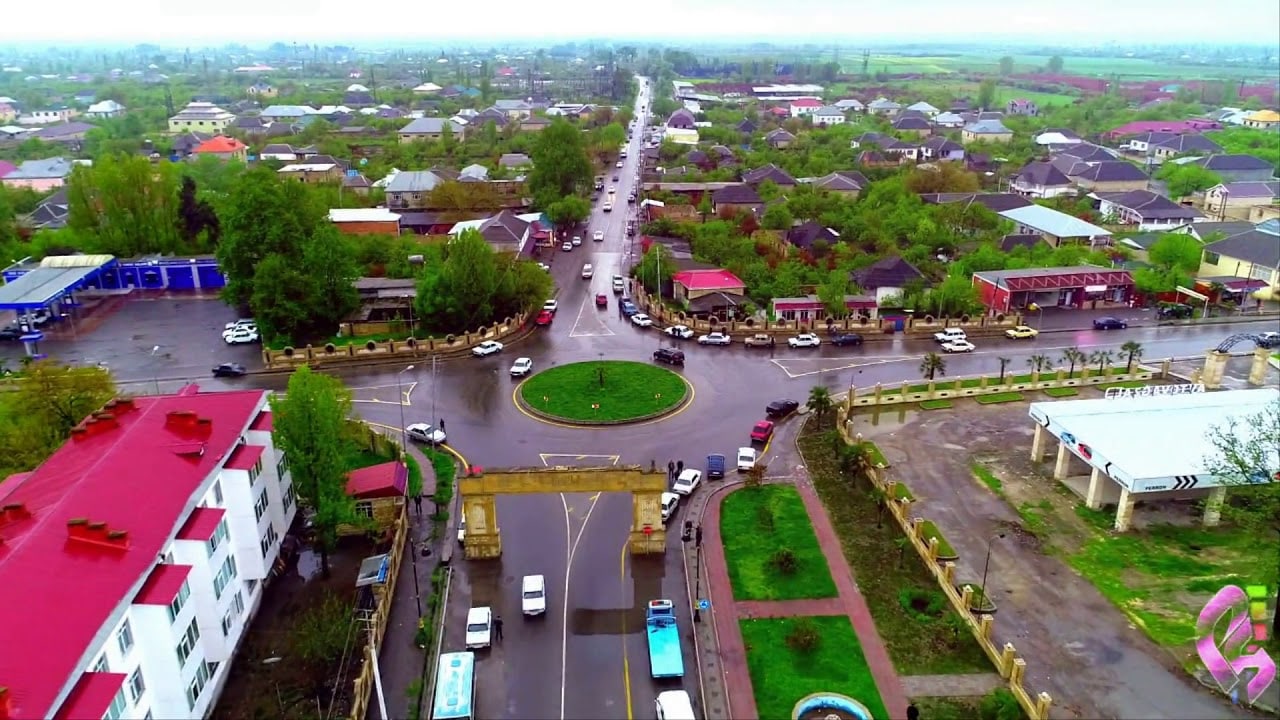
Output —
<point x="804" y="340"/>
<point x="1268" y="340"/>
<point x="679" y="331"/>
<point x="597" y="236"/>
<point x="1021" y="332"/>
<point x="641" y="320"/>
<point x="521" y="367"/>
<point x="669" y="356"/>
<point x="715" y="338"/>
<point x="424" y="433"/>
<point x="958" y="346"/>
<point x="486" y="348"/>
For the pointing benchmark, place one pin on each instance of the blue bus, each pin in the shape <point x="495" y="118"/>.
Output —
<point x="455" y="696"/>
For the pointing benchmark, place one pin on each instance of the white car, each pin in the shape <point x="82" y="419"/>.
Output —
<point x="587" y="271"/>
<point x="533" y="595"/>
<point x="747" y="457"/>
<point x="566" y="246"/>
<point x="715" y="338"/>
<point x="619" y="164"/>
<point x="545" y="267"/>
<point x="608" y="207"/>
<point x="462" y="531"/>
<point x="488" y="347"/>
<point x="249" y="327"/>
<point x="521" y="367"/>
<point x="241" y="322"/>
<point x="598" y="236"/>
<point x="687" y="482"/>
<point x="577" y="240"/>
<point x="479" y="627"/>
<point x="674" y="705"/>
<point x="425" y="433"/>
<point x="551" y="305"/>
<point x="804" y="340"/>
<point x="957" y="346"/>
<point x="679" y="331"/>
<point x="950" y="334"/>
<point x="618" y="283"/>
<point x="240" y="335"/>
<point x="670" y="503"/>
<point x="641" y="320"/>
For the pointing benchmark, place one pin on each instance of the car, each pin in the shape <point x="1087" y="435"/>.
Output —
<point x="424" y="433"/>
<point x="669" y="356"/>
<point x="521" y="367"/>
<point x="533" y="595"/>
<point x="715" y="338"/>
<point x="576" y="241"/>
<point x="479" y="627"/>
<point x="949" y="334"/>
<point x="1268" y="340"/>
<point x="804" y="340"/>
<point x="1175" y="311"/>
<point x="641" y="320"/>
<point x="762" y="431"/>
<point x="240" y="322"/>
<point x="587" y="271"/>
<point x="12" y="332"/>
<point x="240" y="336"/>
<point x="544" y="318"/>
<point x="619" y="165"/>
<point x="760" y="340"/>
<point x="488" y="347"/>
<point x="615" y="178"/>
<point x="679" y="331"/>
<point x="250" y="327"/>
<point x="629" y="308"/>
<point x="687" y="482"/>
<point x="715" y="466"/>
<point x="842" y="339"/>
<point x="957" y="346"/>
<point x="566" y="246"/>
<point x="608" y="207"/>
<point x="598" y="236"/>
<point x="551" y="305"/>
<point x="602" y="300"/>
<point x="747" y="457"/>
<point x="631" y="230"/>
<point x="229" y="370"/>
<point x="1109" y="323"/>
<point x="670" y="503"/>
<point x="545" y="267"/>
<point x="780" y="408"/>
<point x="462" y="531"/>
<point x="631" y="198"/>
<point x="618" y="285"/>
<point x="673" y="705"/>
<point x="1021" y="332"/>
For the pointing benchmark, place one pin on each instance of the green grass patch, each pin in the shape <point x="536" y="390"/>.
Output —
<point x="781" y="674"/>
<point x="877" y="457"/>
<point x="356" y="455"/>
<point x="1061" y="392"/>
<point x="986" y="477"/>
<point x="770" y="546"/>
<point x="603" y="391"/>
<point x="948" y="708"/>
<point x="928" y="530"/>
<point x="1034" y="516"/>
<point x="415" y="475"/>
<point x="1125" y="384"/>
<point x="899" y="491"/>
<point x="998" y="398"/>
<point x="344" y="340"/>
<point x="886" y="567"/>
<point x="935" y="405"/>
<point x="446" y="468"/>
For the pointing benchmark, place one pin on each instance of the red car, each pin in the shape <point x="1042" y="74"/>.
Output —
<point x="602" y="301"/>
<point x="762" y="431"/>
<point x="544" y="318"/>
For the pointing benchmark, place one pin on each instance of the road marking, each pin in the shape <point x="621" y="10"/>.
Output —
<point x="404" y="400"/>
<point x="851" y="366"/>
<point x="600" y="330"/>
<point x="626" y="663"/>
<point x="545" y="457"/>
<point x="571" y="549"/>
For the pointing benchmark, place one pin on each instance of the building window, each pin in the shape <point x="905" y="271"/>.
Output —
<point x="253" y="586"/>
<point x="101" y="666"/>
<point x="260" y="507"/>
<point x="282" y="467"/>
<point x="364" y="508"/>
<point x="137" y="686"/>
<point x="188" y="643"/>
<point x="179" y="601"/>
<point x="219" y="534"/>
<point x="290" y="495"/>
<point x="225" y="576"/>
<point x="268" y="541"/>
<point x="198" y="682"/>
<point x="217" y="492"/>
<point x="238" y="603"/>
<point x="255" y="471"/>
<point x="124" y="637"/>
<point x="117" y="706"/>
<point x="1211" y="258"/>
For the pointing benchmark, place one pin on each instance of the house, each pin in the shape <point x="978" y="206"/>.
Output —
<point x="278" y="151"/>
<point x="150" y="577"/>
<point x="504" y="232"/>
<point x="358" y="98"/>
<point x="1009" y="243"/>
<point x="887" y="276"/>
<point x="708" y="291"/>
<point x="533" y="123"/>
<point x="942" y="149"/>
<point x="312" y="173"/>
<point x="288" y="113"/>
<point x="427" y="88"/>
<point x="1057" y="228"/>
<point x="69" y="133"/>
<point x="1139" y="127"/>
<point x="356" y="183"/>
<point x="411" y="189"/>
<point x="924" y="108"/>
<point x="430" y="129"/>
<point x="915" y="126"/>
<point x="737" y="197"/>
<point x="365" y="221"/>
<point x="680" y="136"/>
<point x="8" y="113"/>
<point x="1183" y="145"/>
<point x="804" y="236"/>
<point x="845" y="182"/>
<point x="1228" y="116"/>
<point x="51" y="213"/>
<point x="40" y="175"/>
<point x="262" y="89"/>
<point x="884" y="107"/>
<point x="746" y="127"/>
<point x="779" y="138"/>
<point x="252" y="126"/>
<point x="986" y="131"/>
<point x="1211" y="231"/>
<point x="1253" y="255"/>
<point x="811" y="308"/>
<point x="1262" y="120"/>
<point x="52" y="115"/>
<point x="185" y="143"/>
<point x="877" y="159"/>
<point x="515" y="160"/>
<point x="850" y="105"/>
<point x="682" y="119"/>
<point x="379" y="494"/>
<point x="1111" y="176"/>
<point x="804" y="107"/>
<point x="769" y="172"/>
<point x="1147" y="210"/>
<point x="223" y="148"/>
<point x="104" y="109"/>
<point x="514" y="109"/>
<point x="474" y="172"/>
<point x="995" y="202"/>
<point x="828" y="115"/>
<point x="1057" y="138"/>
<point x="1236" y="168"/>
<point x="1041" y="180"/>
<point x="949" y="120"/>
<point x="489" y="115"/>
<point x="1237" y="200"/>
<point x="201" y="117"/>
<point x="1021" y="107"/>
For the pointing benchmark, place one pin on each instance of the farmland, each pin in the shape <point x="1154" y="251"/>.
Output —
<point x="960" y="89"/>
<point x="1127" y="68"/>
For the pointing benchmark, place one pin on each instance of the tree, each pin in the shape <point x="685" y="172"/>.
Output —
<point x="932" y="365"/>
<point x="321" y="632"/>
<point x="1133" y="351"/>
<point x="568" y="211"/>
<point x="1004" y="365"/>
<point x="705" y="208"/>
<point x="777" y="217"/>
<point x="1179" y="252"/>
<point x="1039" y="363"/>
<point x="328" y="261"/>
<point x="1102" y="357"/>
<point x="281" y="299"/>
<point x="1006" y="66"/>
<point x="462" y="201"/>
<point x="953" y="297"/>
<point x="466" y="284"/>
<point x="1073" y="357"/>
<point x="47" y="400"/>
<point x="310" y="425"/>
<point x="561" y="166"/>
<point x="832" y="292"/>
<point x="1244" y="458"/>
<point x="820" y="401"/>
<point x="1183" y="179"/>
<point x="987" y="94"/>
<point x="1054" y="65"/>
<point x="197" y="220"/>
<point x="8" y="226"/>
<point x="943" y="178"/>
<point x="126" y="205"/>
<point x="655" y="268"/>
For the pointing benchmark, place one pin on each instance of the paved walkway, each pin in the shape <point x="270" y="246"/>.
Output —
<point x="975" y="685"/>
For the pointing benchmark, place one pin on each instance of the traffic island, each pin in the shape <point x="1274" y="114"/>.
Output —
<point x="605" y="392"/>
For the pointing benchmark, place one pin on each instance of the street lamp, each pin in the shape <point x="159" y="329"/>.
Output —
<point x="987" y="565"/>
<point x="404" y="433"/>
<point x="155" y="372"/>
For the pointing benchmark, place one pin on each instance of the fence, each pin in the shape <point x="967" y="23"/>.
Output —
<point x="964" y="387"/>
<point x="376" y="625"/>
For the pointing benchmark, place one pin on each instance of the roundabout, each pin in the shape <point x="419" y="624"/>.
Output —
<point x="603" y="393"/>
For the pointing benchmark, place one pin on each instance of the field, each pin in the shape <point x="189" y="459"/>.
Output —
<point x="962" y="89"/>
<point x="1127" y="68"/>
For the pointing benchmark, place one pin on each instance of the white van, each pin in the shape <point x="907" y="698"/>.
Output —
<point x="674" y="705"/>
<point x="670" y="501"/>
<point x="479" y="627"/>
<point x="533" y="595"/>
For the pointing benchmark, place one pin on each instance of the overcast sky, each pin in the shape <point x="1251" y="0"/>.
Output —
<point x="384" y="22"/>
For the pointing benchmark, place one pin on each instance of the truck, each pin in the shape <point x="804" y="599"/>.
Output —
<point x="665" y="657"/>
<point x="760" y="340"/>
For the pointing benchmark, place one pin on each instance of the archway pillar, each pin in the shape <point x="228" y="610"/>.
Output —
<point x="1215" y="367"/>
<point x="1258" y="371"/>
<point x="482" y="540"/>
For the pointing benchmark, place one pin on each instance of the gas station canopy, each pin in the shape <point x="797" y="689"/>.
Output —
<point x="56" y="276"/>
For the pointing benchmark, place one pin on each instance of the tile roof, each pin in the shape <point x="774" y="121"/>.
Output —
<point x="1269" y="189"/>
<point x="714" y="279"/>
<point x="1088" y="152"/>
<point x="1112" y="171"/>
<point x="415" y="181"/>
<point x="847" y="181"/>
<point x="779" y="135"/>
<point x="1043" y="174"/>
<point x="736" y="195"/>
<point x="1149" y="205"/>
<point x="1256" y="246"/>
<point x="220" y="145"/>
<point x="987" y="127"/>
<point x="768" y="172"/>
<point x="887" y="272"/>
<point x="1236" y="163"/>
<point x="389" y="479"/>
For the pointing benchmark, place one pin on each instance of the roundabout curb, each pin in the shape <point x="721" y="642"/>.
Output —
<point x="544" y="417"/>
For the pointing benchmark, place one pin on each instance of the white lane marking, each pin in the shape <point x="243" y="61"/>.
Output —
<point x="600" y="329"/>
<point x="406" y="393"/>
<point x="571" y="549"/>
<point x="869" y="363"/>
<point x="545" y="457"/>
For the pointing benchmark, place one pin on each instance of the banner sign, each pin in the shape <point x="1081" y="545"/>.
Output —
<point x="1115" y="393"/>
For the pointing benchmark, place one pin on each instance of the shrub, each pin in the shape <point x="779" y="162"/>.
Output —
<point x="923" y="605"/>
<point x="784" y="561"/>
<point x="1000" y="704"/>
<point x="804" y="637"/>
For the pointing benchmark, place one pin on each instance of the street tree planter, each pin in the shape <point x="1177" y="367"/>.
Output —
<point x="979" y="603"/>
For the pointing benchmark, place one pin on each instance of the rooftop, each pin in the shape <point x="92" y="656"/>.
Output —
<point x="717" y="279"/>
<point x="389" y="479"/>
<point x="341" y="215"/>
<point x="1058" y="224"/>
<point x="220" y="145"/>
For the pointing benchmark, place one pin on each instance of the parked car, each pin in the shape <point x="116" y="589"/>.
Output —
<point x="488" y="347"/>
<point x="11" y="332"/>
<point x="629" y="308"/>
<point x="241" y="323"/>
<point x="687" y="482"/>
<point x="462" y="530"/>
<point x="673" y="705"/>
<point x="608" y="206"/>
<point x="551" y="305"/>
<point x="479" y="627"/>
<point x="1109" y="323"/>
<point x="669" y="356"/>
<point x="842" y="339"/>
<point x="679" y="331"/>
<point x="544" y="318"/>
<point x="715" y="338"/>
<point x="598" y="236"/>
<point x="567" y="246"/>
<point x="602" y="300"/>
<point x="240" y="335"/>
<point x="533" y="595"/>
<point x="1269" y="339"/>
<point x="521" y="367"/>
<point x="670" y="503"/>
<point x="576" y="241"/>
<point x="425" y="433"/>
<point x="760" y="340"/>
<point x="641" y="320"/>
<point x="747" y="457"/>
<point x="958" y="346"/>
<point x="715" y="466"/>
<point x="1175" y="311"/>
<point x="780" y="408"/>
<point x="949" y="334"/>
<point x="1021" y="332"/>
<point x="229" y="370"/>
<point x="762" y="431"/>
<point x="804" y="340"/>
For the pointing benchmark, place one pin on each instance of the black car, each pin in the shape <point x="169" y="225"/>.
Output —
<point x="1175" y="311"/>
<point x="13" y="332"/>
<point x="846" y="339"/>
<point x="669" y="356"/>
<point x="1109" y="323"/>
<point x="229" y="370"/>
<point x="780" y="408"/>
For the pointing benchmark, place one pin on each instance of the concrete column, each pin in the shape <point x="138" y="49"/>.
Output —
<point x="1093" y="498"/>
<point x="1213" y="506"/>
<point x="1258" y="371"/>
<point x="648" y="535"/>
<point x="482" y="541"/>
<point x="1215" y="366"/>
<point x="1063" y="462"/>
<point x="1124" y="511"/>
<point x="1037" y="443"/>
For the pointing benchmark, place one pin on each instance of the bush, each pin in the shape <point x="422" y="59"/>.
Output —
<point x="923" y="605"/>
<point x="764" y="516"/>
<point x="804" y="637"/>
<point x="784" y="561"/>
<point x="1000" y="704"/>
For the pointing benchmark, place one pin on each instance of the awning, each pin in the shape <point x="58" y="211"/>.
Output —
<point x="1234" y="284"/>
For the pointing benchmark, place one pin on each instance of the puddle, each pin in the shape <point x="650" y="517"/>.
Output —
<point x="897" y="416"/>
<point x="309" y="566"/>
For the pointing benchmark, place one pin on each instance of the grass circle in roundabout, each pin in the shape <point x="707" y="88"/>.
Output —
<point x="604" y="392"/>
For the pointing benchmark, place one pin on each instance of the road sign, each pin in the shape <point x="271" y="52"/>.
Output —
<point x="704" y="604"/>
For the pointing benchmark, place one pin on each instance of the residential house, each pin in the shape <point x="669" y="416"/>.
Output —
<point x="250" y="125"/>
<point x="1111" y="176"/>
<point x="411" y="189"/>
<point x="279" y="151"/>
<point x="1041" y="180"/>
<point x="312" y="173"/>
<point x="901" y="150"/>
<point x="356" y="183"/>
<point x="67" y="133"/>
<point x="682" y="119"/>
<point x="1021" y="107"/>
<point x="924" y="108"/>
<point x="262" y="89"/>
<point x="1250" y="255"/>
<point x="534" y="123"/>
<point x="779" y="138"/>
<point x="474" y="173"/>
<point x="736" y="197"/>
<point x="811" y="308"/>
<point x="878" y="159"/>
<point x="842" y="182"/>
<point x="40" y="175"/>
<point x="1213" y="231"/>
<point x="1139" y="127"/>
<point x="949" y="120"/>
<point x="358" y="98"/>
<point x="1262" y="120"/>
<point x="1228" y="116"/>
<point x="939" y="148"/>
<point x="1237" y="200"/>
<point x="186" y="143"/>
<point x="886" y="277"/>
<point x="1147" y="210"/>
<point x="1183" y="145"/>
<point x="514" y="109"/>
<point x="1009" y="243"/>
<point x="288" y="113"/>
<point x="851" y="105"/>
<point x="1236" y="168"/>
<point x="722" y="155"/>
<point x="504" y="232"/>
<point x="223" y="148"/>
<point x="828" y="115"/>
<point x="884" y="107"/>
<point x="919" y="114"/>
<point x="1057" y="228"/>
<point x="201" y="117"/>
<point x="50" y="214"/>
<point x="104" y="109"/>
<point x="1057" y="138"/>
<point x="804" y="236"/>
<point x="427" y="88"/>
<point x="515" y="161"/>
<point x="365" y="221"/>
<point x="746" y="127"/>
<point x="489" y="115"/>
<point x="804" y="107"/>
<point x="378" y="491"/>
<point x="986" y="131"/>
<point x="712" y="291"/>
<point x="430" y="129"/>
<point x="48" y="116"/>
<point x="915" y="126"/>
<point x="769" y="172"/>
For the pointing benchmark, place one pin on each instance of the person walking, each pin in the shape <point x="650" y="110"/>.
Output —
<point x="417" y="504"/>
<point x="679" y="467"/>
<point x="671" y="469"/>
<point x="497" y="627"/>
<point x="441" y="424"/>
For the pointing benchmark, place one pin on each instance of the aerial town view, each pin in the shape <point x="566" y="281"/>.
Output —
<point x="727" y="361"/>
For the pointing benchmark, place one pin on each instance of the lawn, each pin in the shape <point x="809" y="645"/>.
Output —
<point x="877" y="457"/>
<point x="781" y="675"/>
<point x="1101" y="66"/>
<point x="1061" y="392"/>
<point x="936" y="405"/>
<point x="756" y="524"/>
<point x="357" y="455"/>
<point x="604" y="391"/>
<point x="1004" y="93"/>
<point x="943" y="383"/>
<point x="998" y="398"/>
<point x="986" y="477"/>
<point x="887" y="569"/>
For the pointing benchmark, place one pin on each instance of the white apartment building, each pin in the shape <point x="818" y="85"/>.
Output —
<point x="201" y="117"/>
<point x="134" y="558"/>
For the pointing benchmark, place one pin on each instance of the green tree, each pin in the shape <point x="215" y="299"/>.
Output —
<point x="932" y="365"/>
<point x="1039" y="362"/>
<point x="1177" y="252"/>
<point x="561" y="166"/>
<point x="832" y="292"/>
<point x="952" y="297"/>
<point x="281" y="299"/>
<point x="705" y="208"/>
<point x="657" y="266"/>
<point x="1183" y="179"/>
<point x="987" y="94"/>
<point x="568" y="211"/>
<point x="1073" y="357"/>
<point x="1054" y="65"/>
<point x="1133" y="351"/>
<point x="1102" y="357"/>
<point x="820" y="402"/>
<point x="777" y="217"/>
<point x="126" y="206"/>
<point x="309" y="425"/>
<point x="1006" y="66"/>
<point x="1004" y="365"/>
<point x="328" y="261"/>
<point x="8" y="226"/>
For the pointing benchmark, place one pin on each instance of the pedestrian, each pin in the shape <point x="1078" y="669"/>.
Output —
<point x="679" y="467"/>
<point x="441" y="424"/>
<point x="671" y="469"/>
<point x="497" y="627"/>
<point x="417" y="505"/>
<point x="913" y="712"/>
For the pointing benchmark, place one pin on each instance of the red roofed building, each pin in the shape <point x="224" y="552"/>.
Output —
<point x="804" y="106"/>
<point x="712" y="291"/>
<point x="379" y="491"/>
<point x="134" y="557"/>
<point x="223" y="148"/>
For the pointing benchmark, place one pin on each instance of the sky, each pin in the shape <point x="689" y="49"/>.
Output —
<point x="1079" y="22"/>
